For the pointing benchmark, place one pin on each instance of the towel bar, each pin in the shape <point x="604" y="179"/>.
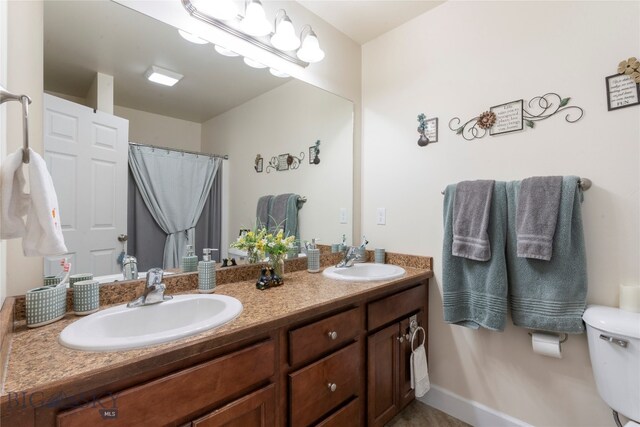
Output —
<point x="6" y="96"/>
<point x="584" y="183"/>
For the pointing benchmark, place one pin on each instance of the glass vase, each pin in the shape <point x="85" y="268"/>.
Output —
<point x="253" y="256"/>
<point x="276" y="262"/>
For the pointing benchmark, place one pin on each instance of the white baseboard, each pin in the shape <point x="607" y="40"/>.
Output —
<point x="466" y="410"/>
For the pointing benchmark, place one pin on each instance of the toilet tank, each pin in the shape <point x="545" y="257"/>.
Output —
<point x="614" y="348"/>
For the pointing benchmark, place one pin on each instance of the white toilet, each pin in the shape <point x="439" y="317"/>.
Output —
<point x="614" y="347"/>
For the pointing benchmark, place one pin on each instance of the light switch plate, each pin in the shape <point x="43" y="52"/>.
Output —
<point x="343" y="215"/>
<point x="381" y="215"/>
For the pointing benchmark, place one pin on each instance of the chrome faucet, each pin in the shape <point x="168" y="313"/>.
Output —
<point x="153" y="290"/>
<point x="351" y="255"/>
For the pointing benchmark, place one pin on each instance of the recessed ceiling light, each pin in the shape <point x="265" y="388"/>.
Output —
<point x="253" y="63"/>
<point x="162" y="76"/>
<point x="224" y="51"/>
<point x="278" y="73"/>
<point x="192" y="38"/>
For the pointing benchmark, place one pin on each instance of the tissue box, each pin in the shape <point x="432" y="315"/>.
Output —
<point x="46" y="305"/>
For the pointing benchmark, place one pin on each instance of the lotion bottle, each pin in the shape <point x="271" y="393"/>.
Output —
<point x="206" y="273"/>
<point x="190" y="260"/>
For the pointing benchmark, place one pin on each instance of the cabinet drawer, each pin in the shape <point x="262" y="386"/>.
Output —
<point x="178" y="397"/>
<point x="347" y="416"/>
<point x="257" y="409"/>
<point x="311" y="395"/>
<point x="393" y="307"/>
<point x="310" y="341"/>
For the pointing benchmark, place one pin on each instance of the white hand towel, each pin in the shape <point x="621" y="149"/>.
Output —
<point x="14" y="203"/>
<point x="44" y="231"/>
<point x="419" y="371"/>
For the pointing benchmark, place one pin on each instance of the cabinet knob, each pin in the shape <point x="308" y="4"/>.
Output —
<point x="401" y="338"/>
<point x="333" y="335"/>
<point x="332" y="386"/>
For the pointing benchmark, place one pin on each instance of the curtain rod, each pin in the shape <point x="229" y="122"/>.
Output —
<point x="222" y="156"/>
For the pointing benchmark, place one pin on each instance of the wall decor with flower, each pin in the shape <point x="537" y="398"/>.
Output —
<point x="514" y="115"/>
<point x="623" y="89"/>
<point x="428" y="130"/>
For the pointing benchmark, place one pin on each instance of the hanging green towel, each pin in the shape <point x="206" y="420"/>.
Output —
<point x="475" y="292"/>
<point x="550" y="295"/>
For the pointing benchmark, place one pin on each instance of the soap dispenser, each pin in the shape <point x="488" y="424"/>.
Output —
<point x="313" y="257"/>
<point x="190" y="260"/>
<point x="206" y="273"/>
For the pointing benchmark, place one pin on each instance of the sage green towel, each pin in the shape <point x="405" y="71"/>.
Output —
<point x="550" y="295"/>
<point x="291" y="224"/>
<point x="475" y="292"/>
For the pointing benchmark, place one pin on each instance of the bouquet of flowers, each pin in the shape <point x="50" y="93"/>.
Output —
<point x="253" y="243"/>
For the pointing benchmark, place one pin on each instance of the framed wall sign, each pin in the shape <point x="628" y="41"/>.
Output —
<point x="431" y="129"/>
<point x="508" y="118"/>
<point x="622" y="92"/>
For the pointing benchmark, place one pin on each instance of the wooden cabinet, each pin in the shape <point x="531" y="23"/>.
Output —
<point x="182" y="396"/>
<point x="388" y="353"/>
<point x="255" y="410"/>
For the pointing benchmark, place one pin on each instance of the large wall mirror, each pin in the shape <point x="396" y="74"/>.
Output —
<point x="220" y="106"/>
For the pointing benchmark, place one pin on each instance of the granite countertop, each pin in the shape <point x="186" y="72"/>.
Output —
<point x="37" y="361"/>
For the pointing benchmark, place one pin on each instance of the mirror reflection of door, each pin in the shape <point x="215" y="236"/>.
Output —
<point x="86" y="154"/>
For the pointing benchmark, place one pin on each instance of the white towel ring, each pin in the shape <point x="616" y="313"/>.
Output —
<point x="413" y="337"/>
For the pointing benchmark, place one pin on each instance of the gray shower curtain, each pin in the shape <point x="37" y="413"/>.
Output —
<point x="174" y="187"/>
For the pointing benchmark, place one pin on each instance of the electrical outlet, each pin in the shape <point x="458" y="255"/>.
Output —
<point x="343" y="215"/>
<point x="381" y="215"/>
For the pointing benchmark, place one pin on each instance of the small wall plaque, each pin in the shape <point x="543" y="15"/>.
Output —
<point x="431" y="129"/>
<point x="508" y="118"/>
<point x="622" y="92"/>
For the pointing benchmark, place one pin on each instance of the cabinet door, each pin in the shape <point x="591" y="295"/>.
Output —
<point x="254" y="410"/>
<point x="383" y="379"/>
<point x="406" y="392"/>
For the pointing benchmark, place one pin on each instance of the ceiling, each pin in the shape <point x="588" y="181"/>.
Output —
<point x="364" y="20"/>
<point x="85" y="37"/>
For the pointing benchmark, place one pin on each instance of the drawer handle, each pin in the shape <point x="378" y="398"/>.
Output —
<point x="621" y="343"/>
<point x="332" y="387"/>
<point x="333" y="335"/>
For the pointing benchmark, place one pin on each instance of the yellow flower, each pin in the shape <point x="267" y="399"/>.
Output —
<point x="629" y="66"/>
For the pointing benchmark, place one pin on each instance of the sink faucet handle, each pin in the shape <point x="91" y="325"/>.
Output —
<point x="154" y="276"/>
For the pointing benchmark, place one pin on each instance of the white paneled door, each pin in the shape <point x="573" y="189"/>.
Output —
<point x="86" y="153"/>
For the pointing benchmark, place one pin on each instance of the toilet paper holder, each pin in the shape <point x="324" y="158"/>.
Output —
<point x="566" y="336"/>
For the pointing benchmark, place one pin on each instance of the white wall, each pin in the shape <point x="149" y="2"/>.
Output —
<point x="458" y="60"/>
<point x="3" y="138"/>
<point x="154" y="129"/>
<point x="288" y="119"/>
<point x="24" y="75"/>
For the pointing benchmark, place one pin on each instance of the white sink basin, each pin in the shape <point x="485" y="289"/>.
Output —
<point x="366" y="272"/>
<point x="122" y="328"/>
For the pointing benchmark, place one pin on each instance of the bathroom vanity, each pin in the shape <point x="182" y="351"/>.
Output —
<point x="315" y="351"/>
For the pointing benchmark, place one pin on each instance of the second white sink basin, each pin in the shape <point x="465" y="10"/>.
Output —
<point x="365" y="272"/>
<point x="123" y="328"/>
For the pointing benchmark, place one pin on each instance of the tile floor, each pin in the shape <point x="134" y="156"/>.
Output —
<point x="417" y="414"/>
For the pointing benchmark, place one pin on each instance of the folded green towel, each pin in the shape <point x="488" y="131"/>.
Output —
<point x="550" y="295"/>
<point x="475" y="292"/>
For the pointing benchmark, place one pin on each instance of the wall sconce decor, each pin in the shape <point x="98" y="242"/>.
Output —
<point x="314" y="154"/>
<point x="277" y="37"/>
<point x="428" y="130"/>
<point x="284" y="162"/>
<point x="259" y="162"/>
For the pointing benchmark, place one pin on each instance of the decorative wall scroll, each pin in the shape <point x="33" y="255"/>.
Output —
<point x="508" y="117"/>
<point x="284" y="162"/>
<point x="314" y="154"/>
<point x="622" y="92"/>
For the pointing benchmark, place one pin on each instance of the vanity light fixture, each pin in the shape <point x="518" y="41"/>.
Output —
<point x="255" y="22"/>
<point x="224" y="51"/>
<point x="219" y="9"/>
<point x="255" y="29"/>
<point x="285" y="37"/>
<point x="162" y="76"/>
<point x="253" y="63"/>
<point x="278" y="73"/>
<point x="192" y="37"/>
<point x="310" y="50"/>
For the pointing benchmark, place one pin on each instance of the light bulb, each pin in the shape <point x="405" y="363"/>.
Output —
<point x="310" y="50"/>
<point x="278" y="73"/>
<point x="255" y="22"/>
<point x="224" y="51"/>
<point x="192" y="38"/>
<point x="253" y="63"/>
<point x="285" y="37"/>
<point x="220" y="9"/>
